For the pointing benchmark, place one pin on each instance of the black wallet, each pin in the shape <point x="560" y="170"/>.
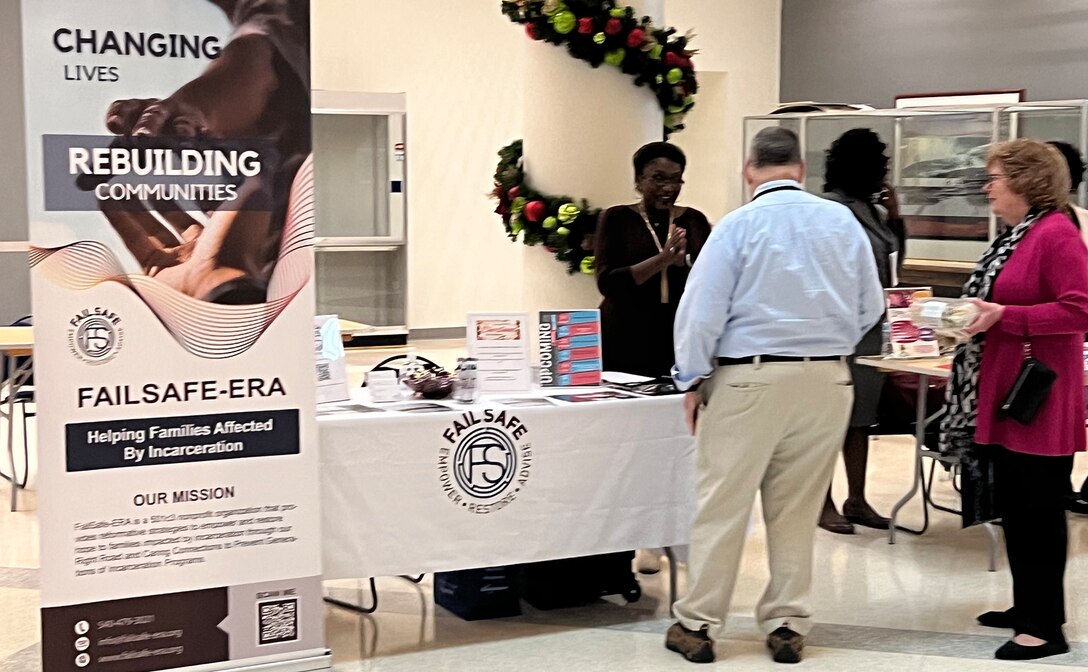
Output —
<point x="1029" y="392"/>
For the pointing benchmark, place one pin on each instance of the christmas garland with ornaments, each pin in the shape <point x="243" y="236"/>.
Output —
<point x="595" y="31"/>
<point x="565" y="227"/>
<point x="600" y="31"/>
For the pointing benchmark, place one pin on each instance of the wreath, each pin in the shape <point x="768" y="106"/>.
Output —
<point x="595" y="31"/>
<point x="600" y="31"/>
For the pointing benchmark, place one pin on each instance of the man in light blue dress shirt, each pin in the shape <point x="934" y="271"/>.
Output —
<point x="782" y="292"/>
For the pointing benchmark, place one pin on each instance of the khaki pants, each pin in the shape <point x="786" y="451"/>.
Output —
<point x="776" y="428"/>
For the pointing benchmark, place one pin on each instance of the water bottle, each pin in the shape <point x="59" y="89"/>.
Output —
<point x="886" y="338"/>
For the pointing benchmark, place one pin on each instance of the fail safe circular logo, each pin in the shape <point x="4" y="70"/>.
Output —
<point x="486" y="462"/>
<point x="95" y="335"/>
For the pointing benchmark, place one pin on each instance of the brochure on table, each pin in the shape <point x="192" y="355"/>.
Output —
<point x="500" y="344"/>
<point x="570" y="348"/>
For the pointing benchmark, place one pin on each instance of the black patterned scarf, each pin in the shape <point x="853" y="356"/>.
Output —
<point x="961" y="396"/>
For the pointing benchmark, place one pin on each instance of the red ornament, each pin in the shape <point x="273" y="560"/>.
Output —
<point x="550" y="248"/>
<point x="635" y="38"/>
<point x="534" y="211"/>
<point x="531" y="31"/>
<point x="686" y="63"/>
<point x="613" y="27"/>
<point x="585" y="25"/>
<point x="513" y="193"/>
<point x="672" y="59"/>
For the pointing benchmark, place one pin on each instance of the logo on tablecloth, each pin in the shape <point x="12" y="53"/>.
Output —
<point x="95" y="335"/>
<point x="488" y="462"/>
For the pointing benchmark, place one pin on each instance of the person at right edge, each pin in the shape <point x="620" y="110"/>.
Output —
<point x="1078" y="499"/>
<point x="854" y="174"/>
<point x="1031" y="291"/>
<point x="783" y="290"/>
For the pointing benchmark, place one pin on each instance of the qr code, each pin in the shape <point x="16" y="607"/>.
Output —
<point x="278" y="621"/>
<point x="324" y="374"/>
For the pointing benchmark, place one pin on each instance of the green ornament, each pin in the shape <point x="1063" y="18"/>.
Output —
<point x="564" y="21"/>
<point x="673" y="120"/>
<point x="689" y="100"/>
<point x="674" y="76"/>
<point x="599" y="38"/>
<point x="673" y="109"/>
<point x="615" y="57"/>
<point x="655" y="52"/>
<point x="562" y="231"/>
<point x="568" y="212"/>
<point x="550" y="222"/>
<point x="588" y="265"/>
<point x="517" y="205"/>
<point x="618" y="12"/>
<point x="659" y="79"/>
<point x="515" y="226"/>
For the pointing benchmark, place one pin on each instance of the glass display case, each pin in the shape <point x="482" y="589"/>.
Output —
<point x="360" y="241"/>
<point x="938" y="163"/>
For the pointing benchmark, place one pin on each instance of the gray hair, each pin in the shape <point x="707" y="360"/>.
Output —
<point x="775" y="146"/>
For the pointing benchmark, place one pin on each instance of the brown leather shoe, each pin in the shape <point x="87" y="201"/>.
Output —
<point x="695" y="645"/>
<point x="785" y="645"/>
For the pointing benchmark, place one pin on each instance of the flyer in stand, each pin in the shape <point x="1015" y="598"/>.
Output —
<point x="909" y="340"/>
<point x="500" y="344"/>
<point x="570" y="348"/>
<point x="332" y="370"/>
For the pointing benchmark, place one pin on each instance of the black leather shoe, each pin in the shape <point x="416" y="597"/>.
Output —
<point x="1010" y="650"/>
<point x="863" y="514"/>
<point x="835" y="524"/>
<point x="997" y="619"/>
<point x="694" y="645"/>
<point x="785" y="645"/>
<point x="1077" y="504"/>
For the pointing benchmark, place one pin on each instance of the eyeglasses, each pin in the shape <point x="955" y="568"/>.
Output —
<point x="665" y="179"/>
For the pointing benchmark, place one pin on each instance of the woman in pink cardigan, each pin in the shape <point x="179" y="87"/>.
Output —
<point x="1031" y="289"/>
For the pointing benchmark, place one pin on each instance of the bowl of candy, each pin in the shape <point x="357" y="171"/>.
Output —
<point x="428" y="383"/>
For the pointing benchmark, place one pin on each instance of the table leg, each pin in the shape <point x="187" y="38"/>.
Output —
<point x="672" y="577"/>
<point x="993" y="541"/>
<point x="919" y="445"/>
<point x="358" y="608"/>
<point x="9" y="366"/>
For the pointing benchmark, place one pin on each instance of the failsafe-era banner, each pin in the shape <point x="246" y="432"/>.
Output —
<point x="171" y="222"/>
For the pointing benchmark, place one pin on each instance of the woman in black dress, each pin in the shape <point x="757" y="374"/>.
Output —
<point x="644" y="252"/>
<point x="854" y="174"/>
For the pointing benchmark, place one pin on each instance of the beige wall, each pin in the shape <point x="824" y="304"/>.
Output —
<point x="738" y="43"/>
<point x="460" y="65"/>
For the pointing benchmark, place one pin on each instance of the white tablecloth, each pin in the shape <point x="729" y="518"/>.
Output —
<point x="603" y="476"/>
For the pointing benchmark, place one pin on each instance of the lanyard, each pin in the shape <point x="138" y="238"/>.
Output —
<point x="657" y="242"/>
<point x="784" y="187"/>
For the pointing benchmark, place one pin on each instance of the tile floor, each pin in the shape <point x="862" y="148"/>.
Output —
<point x="910" y="606"/>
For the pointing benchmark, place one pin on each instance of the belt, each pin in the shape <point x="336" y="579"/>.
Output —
<point x="731" y="361"/>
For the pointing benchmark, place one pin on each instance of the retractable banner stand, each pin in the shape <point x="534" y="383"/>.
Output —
<point x="171" y="221"/>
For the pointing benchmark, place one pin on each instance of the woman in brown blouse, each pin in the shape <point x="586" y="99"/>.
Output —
<point x="643" y="253"/>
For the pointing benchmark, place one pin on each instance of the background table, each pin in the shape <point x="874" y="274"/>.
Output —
<point x="939" y="367"/>
<point x="14" y="342"/>
<point x="604" y="476"/>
